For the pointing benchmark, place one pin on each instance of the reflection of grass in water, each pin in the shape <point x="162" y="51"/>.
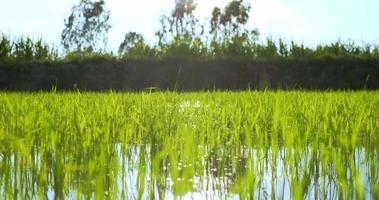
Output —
<point x="247" y="144"/>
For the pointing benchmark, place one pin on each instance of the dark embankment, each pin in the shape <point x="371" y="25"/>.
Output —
<point x="319" y="74"/>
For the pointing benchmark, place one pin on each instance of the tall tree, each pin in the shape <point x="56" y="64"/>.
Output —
<point x="231" y="20"/>
<point x="181" y="22"/>
<point x="132" y="39"/>
<point x="87" y="27"/>
<point x="184" y="20"/>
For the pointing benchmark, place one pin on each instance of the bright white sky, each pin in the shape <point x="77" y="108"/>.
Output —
<point x="309" y="21"/>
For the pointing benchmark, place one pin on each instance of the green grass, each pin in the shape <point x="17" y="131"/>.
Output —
<point x="215" y="144"/>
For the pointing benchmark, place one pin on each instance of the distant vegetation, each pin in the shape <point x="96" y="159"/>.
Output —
<point x="25" y="49"/>
<point x="239" y="47"/>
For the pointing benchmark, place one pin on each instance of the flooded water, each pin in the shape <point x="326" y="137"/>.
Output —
<point x="161" y="172"/>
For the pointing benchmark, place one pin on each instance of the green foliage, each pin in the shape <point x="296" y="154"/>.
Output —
<point x="6" y="47"/>
<point x="26" y="49"/>
<point x="375" y="52"/>
<point x="182" y="47"/>
<point x="237" y="46"/>
<point x="87" y="27"/>
<point x="141" y="51"/>
<point x="231" y="21"/>
<point x="299" y="51"/>
<point x="246" y="46"/>
<point x="134" y="47"/>
<point x="132" y="39"/>
<point x="341" y="49"/>
<point x="268" y="50"/>
<point x="80" y="56"/>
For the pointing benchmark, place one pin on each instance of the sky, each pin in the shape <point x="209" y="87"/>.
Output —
<point x="307" y="21"/>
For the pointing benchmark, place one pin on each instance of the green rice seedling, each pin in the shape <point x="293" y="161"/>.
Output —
<point x="241" y="145"/>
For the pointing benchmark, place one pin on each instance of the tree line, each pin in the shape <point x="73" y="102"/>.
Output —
<point x="181" y="35"/>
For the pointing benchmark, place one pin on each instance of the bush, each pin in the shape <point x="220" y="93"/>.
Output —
<point x="25" y="49"/>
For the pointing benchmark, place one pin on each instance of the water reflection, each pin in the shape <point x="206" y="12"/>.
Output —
<point x="132" y="171"/>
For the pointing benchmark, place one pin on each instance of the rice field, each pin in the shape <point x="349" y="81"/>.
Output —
<point x="206" y="145"/>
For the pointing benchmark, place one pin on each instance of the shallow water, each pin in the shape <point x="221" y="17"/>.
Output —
<point x="144" y="171"/>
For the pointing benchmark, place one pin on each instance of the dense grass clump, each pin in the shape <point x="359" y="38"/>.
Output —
<point x="212" y="144"/>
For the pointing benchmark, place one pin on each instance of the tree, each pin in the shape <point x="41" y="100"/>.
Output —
<point x="228" y="28"/>
<point x="132" y="39"/>
<point x="230" y="21"/>
<point x="87" y="27"/>
<point x="6" y="47"/>
<point x="215" y="20"/>
<point x="182" y="21"/>
<point x="183" y="18"/>
<point x="134" y="47"/>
